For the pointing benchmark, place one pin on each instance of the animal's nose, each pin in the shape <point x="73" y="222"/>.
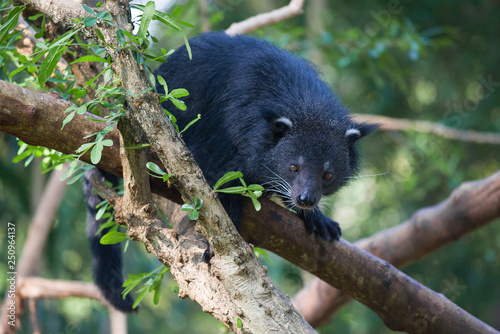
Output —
<point x="306" y="200"/>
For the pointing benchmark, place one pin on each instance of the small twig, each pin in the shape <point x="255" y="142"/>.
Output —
<point x="292" y="9"/>
<point x="389" y="123"/>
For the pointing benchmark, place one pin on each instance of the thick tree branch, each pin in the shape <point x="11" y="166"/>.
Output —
<point x="294" y="8"/>
<point x="37" y="119"/>
<point x="471" y="206"/>
<point x="60" y="10"/>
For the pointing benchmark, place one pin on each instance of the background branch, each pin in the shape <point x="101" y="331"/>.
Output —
<point x="400" y="124"/>
<point x="292" y="9"/>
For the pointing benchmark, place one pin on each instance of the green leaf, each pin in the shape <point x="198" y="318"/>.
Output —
<point x="84" y="147"/>
<point x="156" y="298"/>
<point x="232" y="190"/>
<point x="187" y="207"/>
<point x="166" y="19"/>
<point x="147" y="16"/>
<point x="107" y="142"/>
<point x="91" y="58"/>
<point x="229" y="176"/>
<point x="88" y="83"/>
<point x="255" y="187"/>
<point x="259" y="251"/>
<point x="34" y="17"/>
<point x="90" y="21"/>
<point x="10" y="22"/>
<point x="239" y="323"/>
<point x="96" y="153"/>
<point x="17" y="70"/>
<point x="179" y="92"/>
<point x="177" y="11"/>
<point x="99" y="35"/>
<point x="154" y="168"/>
<point x="178" y="103"/>
<point x="88" y="9"/>
<point x="188" y="47"/>
<point x="21" y="156"/>
<point x="23" y="59"/>
<point x="256" y="203"/>
<point x="191" y="123"/>
<point x="81" y="109"/>
<point x="121" y="37"/>
<point x="138" y="300"/>
<point x="163" y="83"/>
<point x="198" y="203"/>
<point x="114" y="237"/>
<point x="50" y="63"/>
<point x="68" y="119"/>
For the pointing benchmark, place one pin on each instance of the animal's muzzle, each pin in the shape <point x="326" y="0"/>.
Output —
<point x="306" y="200"/>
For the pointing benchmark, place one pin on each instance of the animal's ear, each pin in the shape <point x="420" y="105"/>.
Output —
<point x="279" y="124"/>
<point x="358" y="131"/>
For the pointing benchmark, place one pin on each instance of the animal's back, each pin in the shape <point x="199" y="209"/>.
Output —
<point x="233" y="82"/>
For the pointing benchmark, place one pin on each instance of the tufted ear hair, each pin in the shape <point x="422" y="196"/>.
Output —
<point x="357" y="131"/>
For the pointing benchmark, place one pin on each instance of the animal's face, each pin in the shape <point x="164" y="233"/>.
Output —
<point x="308" y="162"/>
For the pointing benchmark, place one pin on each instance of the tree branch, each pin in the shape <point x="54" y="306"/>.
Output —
<point x="292" y="9"/>
<point x="469" y="207"/>
<point x="390" y="123"/>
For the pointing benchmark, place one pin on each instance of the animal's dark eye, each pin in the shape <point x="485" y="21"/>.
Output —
<point x="294" y="169"/>
<point x="328" y="176"/>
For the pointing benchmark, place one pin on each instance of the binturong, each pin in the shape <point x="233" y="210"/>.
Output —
<point x="265" y="113"/>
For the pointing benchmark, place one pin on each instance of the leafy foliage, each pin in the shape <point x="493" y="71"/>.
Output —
<point x="254" y="191"/>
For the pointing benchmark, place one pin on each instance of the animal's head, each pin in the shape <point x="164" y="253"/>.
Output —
<point x="310" y="157"/>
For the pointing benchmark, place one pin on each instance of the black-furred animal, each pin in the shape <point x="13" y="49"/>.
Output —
<point x="266" y="113"/>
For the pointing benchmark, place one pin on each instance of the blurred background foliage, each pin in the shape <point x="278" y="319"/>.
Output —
<point x="422" y="60"/>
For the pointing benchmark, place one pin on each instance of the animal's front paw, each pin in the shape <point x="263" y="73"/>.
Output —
<point x="323" y="227"/>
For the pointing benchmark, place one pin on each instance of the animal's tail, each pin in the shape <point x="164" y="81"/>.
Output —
<point x="106" y="259"/>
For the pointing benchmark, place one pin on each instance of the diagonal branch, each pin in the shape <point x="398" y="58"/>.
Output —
<point x="469" y="207"/>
